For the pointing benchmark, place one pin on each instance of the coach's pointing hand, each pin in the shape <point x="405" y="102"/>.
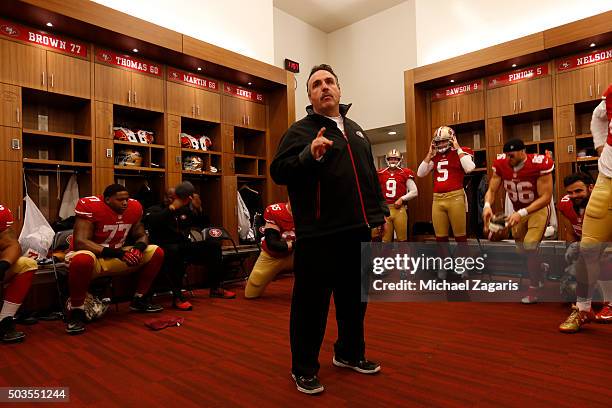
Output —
<point x="320" y="145"/>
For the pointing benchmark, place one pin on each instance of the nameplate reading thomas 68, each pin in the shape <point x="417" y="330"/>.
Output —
<point x="34" y="394"/>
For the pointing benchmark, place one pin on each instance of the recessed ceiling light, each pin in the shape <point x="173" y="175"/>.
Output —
<point x="592" y="45"/>
<point x="135" y="50"/>
<point x="513" y="65"/>
<point x="49" y="24"/>
<point x="452" y="80"/>
<point x="199" y="68"/>
<point x="250" y="83"/>
<point x="392" y="133"/>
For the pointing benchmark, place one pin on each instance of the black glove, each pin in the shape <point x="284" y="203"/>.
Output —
<point x="112" y="253"/>
<point x="4" y="266"/>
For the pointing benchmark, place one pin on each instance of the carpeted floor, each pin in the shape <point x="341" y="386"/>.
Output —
<point x="236" y="353"/>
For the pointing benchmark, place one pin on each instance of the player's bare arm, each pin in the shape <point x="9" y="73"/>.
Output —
<point x="487" y="212"/>
<point x="568" y="235"/>
<point x="138" y="233"/>
<point x="10" y="250"/>
<point x="83" y="234"/>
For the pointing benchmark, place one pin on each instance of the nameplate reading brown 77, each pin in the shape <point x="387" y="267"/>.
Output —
<point x="128" y="62"/>
<point x="176" y="75"/>
<point x="51" y="41"/>
<point x="243" y="93"/>
<point x="455" y="90"/>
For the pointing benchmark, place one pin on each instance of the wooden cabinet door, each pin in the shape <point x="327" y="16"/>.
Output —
<point x="603" y="78"/>
<point x="494" y="132"/>
<point x="255" y="115"/>
<point x="208" y="105"/>
<point x="502" y="101"/>
<point x="174" y="159"/>
<point x="11" y="194"/>
<point x="470" y="107"/>
<point x="233" y="111"/>
<point x="181" y="100"/>
<point x="535" y="94"/>
<point x="566" y="150"/>
<point x="112" y="85"/>
<point x="68" y="75"/>
<point x="575" y="86"/>
<point x="104" y="153"/>
<point x="173" y="130"/>
<point x="443" y="112"/>
<point x="10" y="105"/>
<point x="566" y="121"/>
<point x="10" y="151"/>
<point x="173" y="179"/>
<point x="103" y="120"/>
<point x="147" y="92"/>
<point x="22" y="65"/>
<point x="103" y="176"/>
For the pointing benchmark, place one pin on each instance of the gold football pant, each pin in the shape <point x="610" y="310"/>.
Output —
<point x="266" y="268"/>
<point x="114" y="266"/>
<point x="448" y="210"/>
<point x="530" y="230"/>
<point x="22" y="265"/>
<point x="398" y="222"/>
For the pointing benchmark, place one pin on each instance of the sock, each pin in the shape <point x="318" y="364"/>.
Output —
<point x="80" y="272"/>
<point x="583" y="304"/>
<point x="8" y="309"/>
<point x="149" y="271"/>
<point x="533" y="267"/>
<point x="18" y="287"/>
<point x="606" y="289"/>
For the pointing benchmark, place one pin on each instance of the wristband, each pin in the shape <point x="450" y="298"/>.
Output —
<point x="141" y="246"/>
<point x="460" y="151"/>
<point x="112" y="253"/>
<point x="523" y="212"/>
<point x="486" y="205"/>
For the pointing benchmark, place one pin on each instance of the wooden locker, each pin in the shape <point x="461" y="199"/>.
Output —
<point x="181" y="100"/>
<point x="173" y="130"/>
<point x="255" y="115"/>
<point x="23" y="65"/>
<point x="470" y="107"/>
<point x="603" y="78"/>
<point x="10" y="146"/>
<point x="566" y="121"/>
<point x="494" y="132"/>
<point x="103" y="176"/>
<point x="104" y="147"/>
<point x="443" y="112"/>
<point x="230" y="205"/>
<point x="534" y="94"/>
<point x="103" y="120"/>
<point x="10" y="106"/>
<point x="174" y="159"/>
<point x="227" y="135"/>
<point x="208" y="105"/>
<point x="11" y="194"/>
<point x="147" y="92"/>
<point x="233" y="111"/>
<point x="566" y="149"/>
<point x="112" y="85"/>
<point x="575" y="86"/>
<point x="501" y="101"/>
<point x="67" y="75"/>
<point x="173" y="179"/>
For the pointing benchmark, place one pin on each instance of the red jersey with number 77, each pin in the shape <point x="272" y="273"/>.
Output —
<point x="6" y="218"/>
<point x="522" y="184"/>
<point x="110" y="228"/>
<point x="448" y="173"/>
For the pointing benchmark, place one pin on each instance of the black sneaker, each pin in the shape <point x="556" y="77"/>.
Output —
<point x="8" y="334"/>
<point x="142" y="305"/>
<point x="76" y="322"/>
<point x="308" y="385"/>
<point x="362" y="366"/>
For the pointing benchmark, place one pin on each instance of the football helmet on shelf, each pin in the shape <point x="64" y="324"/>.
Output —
<point x="145" y="136"/>
<point x="193" y="163"/>
<point x="189" y="142"/>
<point x="124" y="134"/>
<point x="128" y="157"/>
<point x="205" y="143"/>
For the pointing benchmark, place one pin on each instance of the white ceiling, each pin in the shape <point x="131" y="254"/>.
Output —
<point x="331" y="15"/>
<point x="381" y="135"/>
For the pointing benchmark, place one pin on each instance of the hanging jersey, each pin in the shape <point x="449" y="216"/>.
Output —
<point x="110" y="229"/>
<point x="566" y="207"/>
<point x="448" y="173"/>
<point x="279" y="215"/>
<point x="521" y="185"/>
<point x="393" y="183"/>
<point x="6" y="218"/>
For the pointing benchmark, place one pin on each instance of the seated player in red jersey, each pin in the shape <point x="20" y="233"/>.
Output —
<point x="102" y="225"/>
<point x="450" y="163"/>
<point x="277" y="249"/>
<point x="528" y="181"/>
<point x="398" y="187"/>
<point x="16" y="274"/>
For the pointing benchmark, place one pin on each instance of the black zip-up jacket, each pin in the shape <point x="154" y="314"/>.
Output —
<point x="167" y="227"/>
<point x="338" y="193"/>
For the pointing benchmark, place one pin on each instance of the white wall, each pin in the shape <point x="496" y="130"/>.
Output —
<point x="242" y="26"/>
<point x="448" y="28"/>
<point x="370" y="57"/>
<point x="301" y="42"/>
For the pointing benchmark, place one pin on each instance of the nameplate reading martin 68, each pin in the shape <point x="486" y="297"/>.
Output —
<point x="34" y="394"/>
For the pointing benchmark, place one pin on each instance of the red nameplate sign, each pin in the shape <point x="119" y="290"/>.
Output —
<point x="243" y="93"/>
<point x="456" y="90"/>
<point x="177" y="75"/>
<point x="517" y="76"/>
<point x="129" y="62"/>
<point x="579" y="61"/>
<point x="51" y="41"/>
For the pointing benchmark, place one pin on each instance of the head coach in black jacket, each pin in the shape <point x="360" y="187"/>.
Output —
<point x="325" y="159"/>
